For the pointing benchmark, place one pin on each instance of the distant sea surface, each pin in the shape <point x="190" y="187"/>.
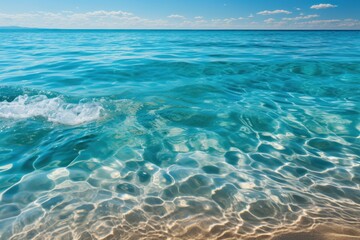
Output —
<point x="178" y="134"/>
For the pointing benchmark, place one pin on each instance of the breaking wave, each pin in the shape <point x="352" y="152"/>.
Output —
<point x="52" y="109"/>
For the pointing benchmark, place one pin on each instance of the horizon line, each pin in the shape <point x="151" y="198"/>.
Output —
<point x="176" y="29"/>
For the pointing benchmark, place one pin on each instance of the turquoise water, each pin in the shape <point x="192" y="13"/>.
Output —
<point x="177" y="134"/>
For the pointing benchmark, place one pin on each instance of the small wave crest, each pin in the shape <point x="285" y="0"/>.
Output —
<point x="52" y="109"/>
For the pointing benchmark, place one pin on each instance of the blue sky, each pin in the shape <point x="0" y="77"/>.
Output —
<point x="189" y="14"/>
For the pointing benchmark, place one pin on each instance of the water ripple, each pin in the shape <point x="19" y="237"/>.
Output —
<point x="179" y="135"/>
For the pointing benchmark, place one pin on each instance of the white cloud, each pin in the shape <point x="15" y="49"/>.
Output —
<point x="176" y="16"/>
<point x="269" y="20"/>
<point x="330" y="24"/>
<point x="251" y="16"/>
<point x="112" y="20"/>
<point x="224" y="20"/>
<point x="13" y="17"/>
<point x="323" y="6"/>
<point x="350" y="23"/>
<point x="103" y="13"/>
<point x="267" y="12"/>
<point x="68" y="19"/>
<point x="229" y="20"/>
<point x="200" y="21"/>
<point x="301" y="17"/>
<point x="298" y="9"/>
<point x="323" y="21"/>
<point x="126" y="20"/>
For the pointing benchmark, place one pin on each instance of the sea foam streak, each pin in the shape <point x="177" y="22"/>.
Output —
<point x="53" y="109"/>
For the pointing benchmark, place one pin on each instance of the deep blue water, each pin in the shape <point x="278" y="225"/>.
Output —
<point x="177" y="134"/>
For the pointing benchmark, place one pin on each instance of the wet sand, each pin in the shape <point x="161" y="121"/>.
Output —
<point x="328" y="232"/>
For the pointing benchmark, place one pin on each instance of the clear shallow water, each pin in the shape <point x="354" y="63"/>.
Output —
<point x="177" y="134"/>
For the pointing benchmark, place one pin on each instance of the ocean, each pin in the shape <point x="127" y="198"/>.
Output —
<point x="147" y="134"/>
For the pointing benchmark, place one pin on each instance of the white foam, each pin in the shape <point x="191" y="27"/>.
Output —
<point x="52" y="109"/>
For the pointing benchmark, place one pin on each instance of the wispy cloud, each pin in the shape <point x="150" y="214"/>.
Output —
<point x="224" y="20"/>
<point x="269" y="20"/>
<point x="103" y="13"/>
<point x="323" y="6"/>
<point x="176" y="16"/>
<point x="349" y="23"/>
<point x="126" y="20"/>
<point x="267" y="12"/>
<point x="69" y="19"/>
<point x="323" y="21"/>
<point x="329" y="24"/>
<point x="111" y="20"/>
<point x="301" y="17"/>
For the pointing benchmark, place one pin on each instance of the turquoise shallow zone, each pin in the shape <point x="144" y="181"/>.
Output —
<point x="177" y="134"/>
